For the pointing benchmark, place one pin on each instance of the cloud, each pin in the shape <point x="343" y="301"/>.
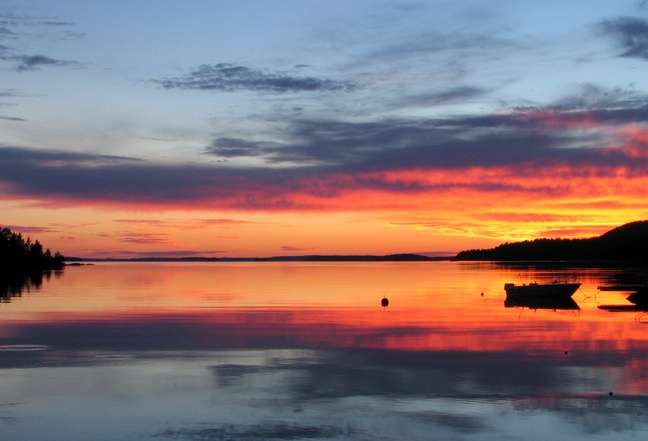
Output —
<point x="461" y="45"/>
<point x="55" y="23"/>
<point x="30" y="62"/>
<point x="185" y="224"/>
<point x="482" y="140"/>
<point x="588" y="97"/>
<point x="630" y="33"/>
<point x="31" y="229"/>
<point x="36" y="62"/>
<point x="237" y="147"/>
<point x="143" y="238"/>
<point x="160" y="253"/>
<point x="449" y="96"/>
<point x="12" y="118"/>
<point x="231" y="77"/>
<point x="6" y="33"/>
<point x="225" y="221"/>
<point x="152" y="222"/>
<point x="291" y="248"/>
<point x="580" y="140"/>
<point x="33" y="21"/>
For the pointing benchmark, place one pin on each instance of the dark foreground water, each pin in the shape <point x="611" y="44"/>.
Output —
<point x="294" y="351"/>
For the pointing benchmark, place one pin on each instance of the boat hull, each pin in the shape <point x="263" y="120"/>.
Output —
<point x="554" y="290"/>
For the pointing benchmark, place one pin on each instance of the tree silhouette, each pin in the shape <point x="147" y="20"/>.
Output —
<point x="19" y="253"/>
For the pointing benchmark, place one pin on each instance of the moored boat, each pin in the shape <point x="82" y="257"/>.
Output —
<point x="541" y="290"/>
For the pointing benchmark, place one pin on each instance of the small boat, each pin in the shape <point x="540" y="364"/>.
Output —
<point x="541" y="290"/>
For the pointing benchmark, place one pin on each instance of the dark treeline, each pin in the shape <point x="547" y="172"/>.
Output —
<point x="627" y="242"/>
<point x="21" y="254"/>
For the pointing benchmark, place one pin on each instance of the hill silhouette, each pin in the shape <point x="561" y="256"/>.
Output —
<point x="21" y="254"/>
<point x="627" y="242"/>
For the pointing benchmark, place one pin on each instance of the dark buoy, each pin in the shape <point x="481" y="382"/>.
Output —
<point x="384" y="302"/>
<point x="610" y="393"/>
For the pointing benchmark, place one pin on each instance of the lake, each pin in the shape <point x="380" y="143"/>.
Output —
<point x="274" y="351"/>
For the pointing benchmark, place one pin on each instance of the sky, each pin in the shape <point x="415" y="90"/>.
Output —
<point x="256" y="128"/>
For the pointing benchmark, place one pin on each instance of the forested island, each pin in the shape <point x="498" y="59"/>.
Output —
<point x="628" y="242"/>
<point x="20" y="254"/>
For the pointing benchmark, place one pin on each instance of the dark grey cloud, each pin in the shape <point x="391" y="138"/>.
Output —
<point x="12" y="118"/>
<point x="460" y="45"/>
<point x="230" y="77"/>
<point x="56" y="23"/>
<point x="449" y="96"/>
<point x="11" y="28"/>
<point x="7" y="33"/>
<point x="237" y="147"/>
<point x="588" y="97"/>
<point x="489" y="139"/>
<point x="29" y="20"/>
<point x="36" y="62"/>
<point x="630" y="33"/>
<point x="325" y="157"/>
<point x="480" y="140"/>
<point x="15" y="153"/>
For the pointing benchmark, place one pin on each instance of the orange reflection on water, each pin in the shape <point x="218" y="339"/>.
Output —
<point x="434" y="306"/>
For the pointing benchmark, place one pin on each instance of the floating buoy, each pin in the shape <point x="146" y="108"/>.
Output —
<point x="610" y="393"/>
<point x="384" y="302"/>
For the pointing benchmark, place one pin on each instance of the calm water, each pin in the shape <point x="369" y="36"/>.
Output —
<point x="276" y="351"/>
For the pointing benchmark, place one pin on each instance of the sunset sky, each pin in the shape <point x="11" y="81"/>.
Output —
<point x="242" y="128"/>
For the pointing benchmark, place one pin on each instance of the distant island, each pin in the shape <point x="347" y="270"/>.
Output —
<point x="19" y="254"/>
<point x="307" y="258"/>
<point x="628" y="242"/>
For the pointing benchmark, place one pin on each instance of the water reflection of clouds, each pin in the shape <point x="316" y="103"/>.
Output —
<point x="255" y="432"/>
<point x="355" y="394"/>
<point x="460" y="375"/>
<point x="505" y="383"/>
